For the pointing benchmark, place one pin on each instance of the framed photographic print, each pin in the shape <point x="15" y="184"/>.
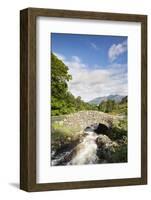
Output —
<point x="83" y="93"/>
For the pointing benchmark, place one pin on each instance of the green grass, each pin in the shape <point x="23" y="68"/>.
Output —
<point x="119" y="130"/>
<point x="120" y="154"/>
<point x="121" y="110"/>
<point x="63" y="135"/>
<point x="119" y="134"/>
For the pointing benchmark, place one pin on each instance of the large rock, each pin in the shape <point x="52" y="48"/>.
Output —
<point x="103" y="140"/>
<point x="106" y="148"/>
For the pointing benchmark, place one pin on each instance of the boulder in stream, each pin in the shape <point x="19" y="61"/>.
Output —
<point x="106" y="148"/>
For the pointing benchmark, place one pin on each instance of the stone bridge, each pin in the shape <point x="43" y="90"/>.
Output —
<point x="83" y="119"/>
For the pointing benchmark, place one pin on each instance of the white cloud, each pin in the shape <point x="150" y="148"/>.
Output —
<point x="76" y="59"/>
<point x="60" y="56"/>
<point x="94" y="82"/>
<point x="94" y="46"/>
<point x="116" y="50"/>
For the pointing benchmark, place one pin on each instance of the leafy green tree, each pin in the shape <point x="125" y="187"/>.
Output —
<point x="107" y="106"/>
<point x="59" y="86"/>
<point x="59" y="77"/>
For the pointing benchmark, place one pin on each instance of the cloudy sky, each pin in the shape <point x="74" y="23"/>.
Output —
<point x="98" y="64"/>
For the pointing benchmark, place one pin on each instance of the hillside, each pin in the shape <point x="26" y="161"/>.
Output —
<point x="98" y="100"/>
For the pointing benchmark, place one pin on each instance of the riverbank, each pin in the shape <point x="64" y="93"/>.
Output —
<point x="68" y="135"/>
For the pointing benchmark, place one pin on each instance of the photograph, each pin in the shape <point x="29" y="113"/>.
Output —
<point x="88" y="99"/>
<point x="83" y="99"/>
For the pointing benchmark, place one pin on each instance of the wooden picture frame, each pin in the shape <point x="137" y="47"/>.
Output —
<point x="28" y="98"/>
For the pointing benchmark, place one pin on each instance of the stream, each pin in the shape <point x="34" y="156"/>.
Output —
<point x="83" y="153"/>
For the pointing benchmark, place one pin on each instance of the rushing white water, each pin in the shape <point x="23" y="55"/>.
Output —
<point x="85" y="152"/>
<point x="93" y="147"/>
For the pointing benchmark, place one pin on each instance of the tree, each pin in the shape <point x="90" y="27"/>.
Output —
<point x="59" y="86"/>
<point x="59" y="77"/>
<point x="107" y="106"/>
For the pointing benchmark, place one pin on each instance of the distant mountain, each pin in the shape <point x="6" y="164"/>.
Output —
<point x="98" y="100"/>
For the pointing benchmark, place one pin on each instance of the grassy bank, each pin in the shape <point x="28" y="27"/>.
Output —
<point x="62" y="135"/>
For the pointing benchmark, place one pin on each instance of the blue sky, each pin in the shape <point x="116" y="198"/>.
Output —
<point x="97" y="63"/>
